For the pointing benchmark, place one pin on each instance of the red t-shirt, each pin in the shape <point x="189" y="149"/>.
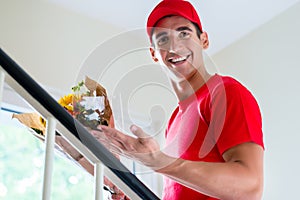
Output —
<point x="220" y="115"/>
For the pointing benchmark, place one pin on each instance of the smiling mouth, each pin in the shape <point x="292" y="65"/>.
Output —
<point x="176" y="60"/>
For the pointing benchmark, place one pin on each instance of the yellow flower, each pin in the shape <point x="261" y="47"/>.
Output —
<point x="43" y="121"/>
<point x="66" y="101"/>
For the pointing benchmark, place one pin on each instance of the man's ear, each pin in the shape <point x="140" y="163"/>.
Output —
<point x="204" y="40"/>
<point x="152" y="51"/>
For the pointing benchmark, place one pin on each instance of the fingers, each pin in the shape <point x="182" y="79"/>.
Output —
<point x="120" y="143"/>
<point x="118" y="138"/>
<point x="115" y="141"/>
<point x="137" y="131"/>
<point x="113" y="133"/>
<point x="113" y="145"/>
<point x="99" y="135"/>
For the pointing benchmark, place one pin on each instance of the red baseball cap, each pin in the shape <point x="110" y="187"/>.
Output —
<point x="172" y="7"/>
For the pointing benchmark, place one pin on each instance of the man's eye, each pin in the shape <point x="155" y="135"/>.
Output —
<point x="183" y="34"/>
<point x="162" y="41"/>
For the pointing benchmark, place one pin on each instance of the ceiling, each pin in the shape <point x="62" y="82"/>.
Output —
<point x="225" y="21"/>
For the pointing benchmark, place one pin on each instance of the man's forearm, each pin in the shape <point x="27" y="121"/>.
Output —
<point x="229" y="180"/>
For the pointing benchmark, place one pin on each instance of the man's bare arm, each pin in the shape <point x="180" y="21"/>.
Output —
<point x="239" y="177"/>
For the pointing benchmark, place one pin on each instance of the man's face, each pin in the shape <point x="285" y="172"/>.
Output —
<point x="177" y="46"/>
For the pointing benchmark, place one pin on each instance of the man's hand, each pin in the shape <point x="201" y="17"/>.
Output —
<point x="141" y="148"/>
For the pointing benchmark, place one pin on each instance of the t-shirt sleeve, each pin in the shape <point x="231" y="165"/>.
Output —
<point x="235" y="117"/>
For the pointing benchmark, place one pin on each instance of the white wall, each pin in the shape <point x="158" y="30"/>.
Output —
<point x="268" y="62"/>
<point x="49" y="42"/>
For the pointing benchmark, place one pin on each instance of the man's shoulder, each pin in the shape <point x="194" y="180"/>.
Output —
<point x="217" y="81"/>
<point x="226" y="81"/>
<point x="221" y="84"/>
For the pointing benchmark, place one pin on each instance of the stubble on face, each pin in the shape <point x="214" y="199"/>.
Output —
<point x="177" y="46"/>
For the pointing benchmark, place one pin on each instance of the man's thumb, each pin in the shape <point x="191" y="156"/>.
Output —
<point x="137" y="131"/>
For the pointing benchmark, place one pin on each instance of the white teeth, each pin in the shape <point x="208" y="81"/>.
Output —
<point x="178" y="59"/>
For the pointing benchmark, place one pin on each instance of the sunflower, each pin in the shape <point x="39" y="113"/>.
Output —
<point x="67" y="102"/>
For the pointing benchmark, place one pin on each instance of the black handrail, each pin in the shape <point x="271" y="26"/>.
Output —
<point x="51" y="105"/>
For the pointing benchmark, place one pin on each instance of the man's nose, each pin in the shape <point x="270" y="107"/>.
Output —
<point x="174" y="45"/>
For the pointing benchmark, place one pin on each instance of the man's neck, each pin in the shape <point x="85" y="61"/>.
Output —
<point x="186" y="88"/>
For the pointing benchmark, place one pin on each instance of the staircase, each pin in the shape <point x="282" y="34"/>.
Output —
<point x="59" y="120"/>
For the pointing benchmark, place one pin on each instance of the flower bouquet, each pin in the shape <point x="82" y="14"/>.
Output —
<point x="88" y="103"/>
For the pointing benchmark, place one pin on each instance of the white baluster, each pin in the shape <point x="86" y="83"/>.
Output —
<point x="99" y="179"/>
<point x="49" y="157"/>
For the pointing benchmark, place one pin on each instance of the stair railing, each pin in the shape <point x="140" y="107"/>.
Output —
<point x="58" y="119"/>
